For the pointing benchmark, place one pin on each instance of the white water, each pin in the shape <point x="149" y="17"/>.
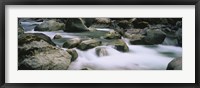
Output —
<point x="138" y="58"/>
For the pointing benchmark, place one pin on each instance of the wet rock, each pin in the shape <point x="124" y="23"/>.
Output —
<point x="40" y="55"/>
<point x="29" y="37"/>
<point x="50" y="25"/>
<point x="170" y="41"/>
<point x="175" y="64"/>
<point x="112" y="35"/>
<point x="75" y="25"/>
<point x="57" y="36"/>
<point x="73" y="53"/>
<point x="101" y="51"/>
<point x="120" y="45"/>
<point x="71" y="43"/>
<point x="88" y="44"/>
<point x="155" y="36"/>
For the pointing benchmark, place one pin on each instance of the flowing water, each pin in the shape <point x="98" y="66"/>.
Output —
<point x="139" y="57"/>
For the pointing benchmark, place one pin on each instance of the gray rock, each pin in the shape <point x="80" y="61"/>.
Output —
<point x="112" y="35"/>
<point x="40" y="55"/>
<point x="155" y="36"/>
<point x="73" y="53"/>
<point x="88" y="44"/>
<point x="71" y="43"/>
<point x="175" y="64"/>
<point x="29" y="37"/>
<point x="50" y="25"/>
<point x="120" y="45"/>
<point x="57" y="36"/>
<point x="75" y="25"/>
<point x="101" y="51"/>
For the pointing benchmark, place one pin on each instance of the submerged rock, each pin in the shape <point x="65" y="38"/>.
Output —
<point x="101" y="51"/>
<point x="88" y="44"/>
<point x="40" y="55"/>
<point x="75" y="25"/>
<point x="71" y="43"/>
<point x="73" y="53"/>
<point x="29" y="37"/>
<point x="50" y="25"/>
<point x="175" y="64"/>
<point x="57" y="36"/>
<point x="120" y="45"/>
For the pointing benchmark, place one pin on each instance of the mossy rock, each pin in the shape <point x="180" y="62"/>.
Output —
<point x="29" y="37"/>
<point x="75" y="25"/>
<point x="120" y="45"/>
<point x="88" y="44"/>
<point x="113" y="35"/>
<point x="73" y="53"/>
<point x="72" y="43"/>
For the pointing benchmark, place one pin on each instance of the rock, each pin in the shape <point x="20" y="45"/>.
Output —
<point x="170" y="41"/>
<point x="75" y="25"/>
<point x="102" y="20"/>
<point x="88" y="44"/>
<point x="137" y="39"/>
<point x="88" y="21"/>
<point x="101" y="51"/>
<point x="71" y="43"/>
<point x="40" y="55"/>
<point x="125" y="24"/>
<point x="141" y="25"/>
<point x="50" y="25"/>
<point x="112" y="35"/>
<point x="175" y="64"/>
<point x="57" y="36"/>
<point x="120" y="45"/>
<point x="179" y="36"/>
<point x="20" y="29"/>
<point x="155" y="37"/>
<point x="133" y="36"/>
<point x="29" y="37"/>
<point x="73" y="53"/>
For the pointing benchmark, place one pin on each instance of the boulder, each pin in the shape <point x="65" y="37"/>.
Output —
<point x="137" y="39"/>
<point x="29" y="37"/>
<point x="50" y="25"/>
<point x="88" y="44"/>
<point x="133" y="36"/>
<point x="73" y="53"/>
<point x="57" y="36"/>
<point x="120" y="45"/>
<point x="101" y="51"/>
<point x="155" y="37"/>
<point x="71" y="43"/>
<point x="40" y="55"/>
<point x="102" y="20"/>
<point x="75" y="25"/>
<point x="112" y="35"/>
<point x="175" y="64"/>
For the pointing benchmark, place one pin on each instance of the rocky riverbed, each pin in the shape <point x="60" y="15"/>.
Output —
<point x="99" y="43"/>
